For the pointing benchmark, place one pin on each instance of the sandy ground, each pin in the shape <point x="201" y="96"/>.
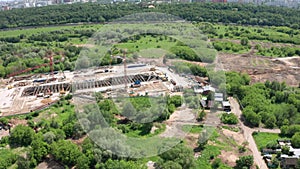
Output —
<point x="237" y="136"/>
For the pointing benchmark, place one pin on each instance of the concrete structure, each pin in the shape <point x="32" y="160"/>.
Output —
<point x="28" y="93"/>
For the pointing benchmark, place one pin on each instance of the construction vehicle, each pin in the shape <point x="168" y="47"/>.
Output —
<point x="46" y="96"/>
<point x="62" y="91"/>
<point x="136" y="84"/>
<point x="173" y="82"/>
<point x="40" y="95"/>
<point x="132" y="94"/>
<point x="152" y="69"/>
<point x="170" y="70"/>
<point x="164" y="78"/>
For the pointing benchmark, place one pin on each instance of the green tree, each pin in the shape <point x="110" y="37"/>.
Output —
<point x="296" y="140"/>
<point x="201" y="115"/>
<point x="4" y="121"/>
<point x="121" y="164"/>
<point x="244" y="41"/>
<point x="244" y="161"/>
<point x="170" y="165"/>
<point x="181" y="155"/>
<point x="176" y="100"/>
<point x="203" y="138"/>
<point x="49" y="137"/>
<point x="229" y="118"/>
<point x="69" y="130"/>
<point x="272" y="145"/>
<point x="83" y="162"/>
<point x="298" y="164"/>
<point x="285" y="150"/>
<point x="216" y="163"/>
<point x="251" y="117"/>
<point x="7" y="158"/>
<point x="39" y="148"/>
<point x="23" y="163"/>
<point x="2" y="71"/>
<point x="66" y="152"/>
<point x="129" y="111"/>
<point x="21" y="136"/>
<point x="271" y="122"/>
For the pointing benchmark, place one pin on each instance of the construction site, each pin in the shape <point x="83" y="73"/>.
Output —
<point x="26" y="93"/>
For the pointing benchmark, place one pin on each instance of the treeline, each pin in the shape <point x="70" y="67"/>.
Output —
<point x="271" y="104"/>
<point x="273" y="34"/>
<point x="100" y="13"/>
<point x="278" y="51"/>
<point x="228" y="46"/>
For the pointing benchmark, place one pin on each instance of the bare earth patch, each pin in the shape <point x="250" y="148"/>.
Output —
<point x="192" y="140"/>
<point x="262" y="68"/>
<point x="228" y="157"/>
<point x="15" y="122"/>
<point x="237" y="136"/>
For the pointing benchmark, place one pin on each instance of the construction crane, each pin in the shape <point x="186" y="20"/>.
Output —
<point x="35" y="67"/>
<point x="50" y="64"/>
<point x="124" y="62"/>
<point x="125" y="69"/>
<point x="27" y="70"/>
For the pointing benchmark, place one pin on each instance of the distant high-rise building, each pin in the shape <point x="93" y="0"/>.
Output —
<point x="5" y="8"/>
<point x="222" y="1"/>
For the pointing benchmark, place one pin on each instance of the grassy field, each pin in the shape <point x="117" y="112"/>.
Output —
<point x="192" y="129"/>
<point x="211" y="152"/>
<point x="262" y="139"/>
<point x="56" y="112"/>
<point x="148" y="46"/>
<point x="139" y="133"/>
<point x="235" y="129"/>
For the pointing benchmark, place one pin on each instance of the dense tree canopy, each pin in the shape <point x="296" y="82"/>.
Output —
<point x="179" y="154"/>
<point x="93" y="12"/>
<point x="244" y="161"/>
<point x="66" y="152"/>
<point x="21" y="136"/>
<point x="273" y="104"/>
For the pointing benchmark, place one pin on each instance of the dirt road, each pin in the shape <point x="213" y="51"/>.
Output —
<point x="182" y="116"/>
<point x="248" y="135"/>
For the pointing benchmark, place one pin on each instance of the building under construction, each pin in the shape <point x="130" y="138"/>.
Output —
<point x="39" y="91"/>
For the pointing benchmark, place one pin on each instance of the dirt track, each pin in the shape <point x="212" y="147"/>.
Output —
<point x="248" y="136"/>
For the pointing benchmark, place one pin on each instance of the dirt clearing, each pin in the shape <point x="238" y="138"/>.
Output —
<point x="262" y="68"/>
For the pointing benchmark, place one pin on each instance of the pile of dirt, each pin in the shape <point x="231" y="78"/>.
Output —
<point x="46" y="101"/>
